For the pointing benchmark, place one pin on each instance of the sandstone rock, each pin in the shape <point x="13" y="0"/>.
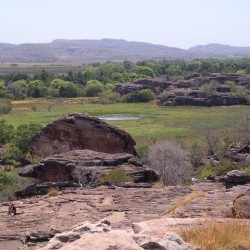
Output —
<point x="235" y="177"/>
<point x="84" y="167"/>
<point x="122" y="207"/>
<point x="156" y="86"/>
<point x="79" y="131"/>
<point x="77" y="231"/>
<point x="241" y="206"/>
<point x="100" y="236"/>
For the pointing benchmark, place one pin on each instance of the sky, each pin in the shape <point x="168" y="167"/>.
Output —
<point x="174" y="23"/>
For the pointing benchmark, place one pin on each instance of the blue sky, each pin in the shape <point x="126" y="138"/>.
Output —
<point x="175" y="23"/>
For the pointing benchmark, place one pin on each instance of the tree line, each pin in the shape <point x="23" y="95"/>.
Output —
<point x="97" y="78"/>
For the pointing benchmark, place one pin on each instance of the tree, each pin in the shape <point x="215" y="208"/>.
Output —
<point x="36" y="89"/>
<point x="146" y="95"/>
<point x="171" y="162"/>
<point x="93" y="88"/>
<point x="23" y="135"/>
<point x="144" y="71"/>
<point x="68" y="89"/>
<point x="6" y="132"/>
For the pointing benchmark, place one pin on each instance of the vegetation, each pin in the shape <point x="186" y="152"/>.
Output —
<point x="171" y="162"/>
<point x="116" y="175"/>
<point x="183" y="202"/>
<point x="91" y="80"/>
<point x="214" y="235"/>
<point x="9" y="183"/>
<point x="53" y="191"/>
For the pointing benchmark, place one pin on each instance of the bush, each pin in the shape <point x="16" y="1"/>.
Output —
<point x="144" y="95"/>
<point x="5" y="106"/>
<point x="108" y="97"/>
<point x="23" y="135"/>
<point x="171" y="162"/>
<point x="93" y="88"/>
<point x="9" y="183"/>
<point x="6" y="132"/>
<point x="142" y="152"/>
<point x="117" y="175"/>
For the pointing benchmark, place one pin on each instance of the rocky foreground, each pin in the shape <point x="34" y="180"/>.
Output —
<point x="149" y="211"/>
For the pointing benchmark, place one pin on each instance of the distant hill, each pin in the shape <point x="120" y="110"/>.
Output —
<point x="86" y="51"/>
<point x="216" y="50"/>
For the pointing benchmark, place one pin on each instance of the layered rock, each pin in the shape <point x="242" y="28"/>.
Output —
<point x="188" y="91"/>
<point x="79" y="131"/>
<point x="84" y="167"/>
<point x="235" y="177"/>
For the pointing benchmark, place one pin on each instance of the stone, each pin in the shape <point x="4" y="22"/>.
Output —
<point x="122" y="207"/>
<point x="83" y="168"/>
<point x="79" y="131"/>
<point x="101" y="236"/>
<point x="235" y="177"/>
<point x="241" y="206"/>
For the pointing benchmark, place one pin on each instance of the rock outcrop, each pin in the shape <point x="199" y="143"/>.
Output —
<point x="220" y="89"/>
<point x="121" y="206"/>
<point x="84" y="167"/>
<point x="235" y="177"/>
<point x="100" y="236"/>
<point x="79" y="131"/>
<point x="241" y="206"/>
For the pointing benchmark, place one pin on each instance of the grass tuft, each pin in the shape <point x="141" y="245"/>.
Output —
<point x="53" y="191"/>
<point x="218" y="236"/>
<point x="184" y="202"/>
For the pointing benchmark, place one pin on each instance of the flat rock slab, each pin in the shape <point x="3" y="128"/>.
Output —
<point x="122" y="206"/>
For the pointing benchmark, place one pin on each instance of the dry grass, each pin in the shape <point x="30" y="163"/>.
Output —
<point x="158" y="185"/>
<point x="218" y="236"/>
<point x="53" y="191"/>
<point x="185" y="201"/>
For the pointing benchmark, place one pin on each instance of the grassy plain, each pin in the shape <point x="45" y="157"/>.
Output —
<point x="155" y="122"/>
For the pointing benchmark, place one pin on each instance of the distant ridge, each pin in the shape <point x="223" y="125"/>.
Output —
<point x="85" y="51"/>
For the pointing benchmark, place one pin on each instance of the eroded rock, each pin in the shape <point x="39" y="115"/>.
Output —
<point x="79" y="131"/>
<point x="84" y="167"/>
<point x="241" y="206"/>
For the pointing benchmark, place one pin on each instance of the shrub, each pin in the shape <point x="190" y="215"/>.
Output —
<point x="203" y="172"/>
<point x="93" y="88"/>
<point x="214" y="235"/>
<point x="171" y="162"/>
<point x="144" y="95"/>
<point x="108" y="97"/>
<point x="9" y="183"/>
<point x="117" y="175"/>
<point x="23" y="135"/>
<point x="5" y="106"/>
<point x="6" y="132"/>
<point x="53" y="191"/>
<point x="142" y="152"/>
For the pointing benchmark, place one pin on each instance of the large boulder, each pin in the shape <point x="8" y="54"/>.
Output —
<point x="241" y="206"/>
<point x="235" y="177"/>
<point x="79" y="131"/>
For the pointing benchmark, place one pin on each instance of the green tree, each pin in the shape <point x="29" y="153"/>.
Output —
<point x="23" y="135"/>
<point x="93" y="88"/>
<point x="6" y="132"/>
<point x="36" y="89"/>
<point x="144" y="71"/>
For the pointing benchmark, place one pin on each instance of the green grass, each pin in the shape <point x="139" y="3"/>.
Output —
<point x="156" y="122"/>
